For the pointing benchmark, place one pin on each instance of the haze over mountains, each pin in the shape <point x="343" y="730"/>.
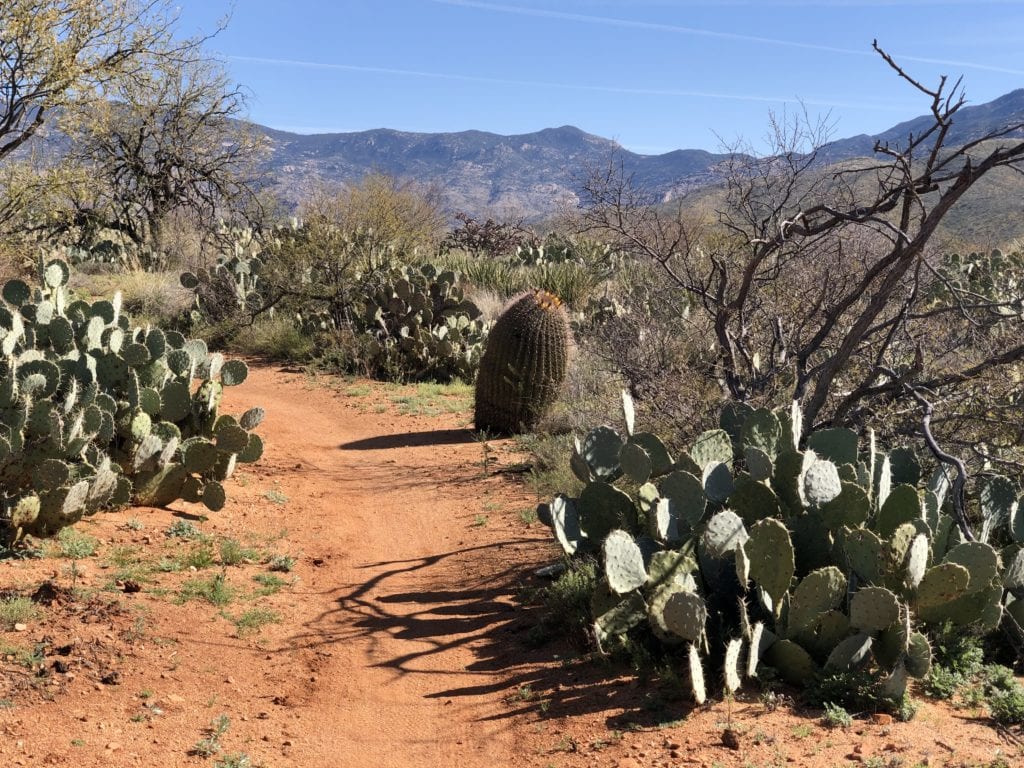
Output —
<point x="486" y="173"/>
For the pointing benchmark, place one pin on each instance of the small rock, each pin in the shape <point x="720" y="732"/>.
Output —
<point x="113" y="746"/>
<point x="880" y="718"/>
<point x="131" y="587"/>
<point x="731" y="738"/>
<point x="19" y="627"/>
<point x="111" y="678"/>
<point x="61" y="666"/>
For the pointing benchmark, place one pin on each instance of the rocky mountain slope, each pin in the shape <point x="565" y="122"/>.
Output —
<point x="534" y="173"/>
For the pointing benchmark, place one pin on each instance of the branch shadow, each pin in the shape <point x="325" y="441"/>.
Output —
<point x="410" y="440"/>
<point x="551" y="680"/>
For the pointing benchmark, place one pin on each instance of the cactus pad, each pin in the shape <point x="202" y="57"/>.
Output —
<point x="895" y="685"/>
<point x="919" y="656"/>
<point x="851" y="507"/>
<point x="771" y="558"/>
<point x="864" y="550"/>
<point x="941" y="584"/>
<point x="819" y="591"/>
<point x="602" y="508"/>
<point x="636" y="463"/>
<point x="874" y="608"/>
<point x="731" y="666"/>
<point x="762" y="430"/>
<point x="723" y="532"/>
<point x="792" y="662"/>
<point x="663" y="521"/>
<point x="759" y="464"/>
<point x="696" y="675"/>
<point x="566" y="524"/>
<point x="819" y="481"/>
<point x="902" y="505"/>
<point x="614" y="614"/>
<point x="824" y="633"/>
<point x="684" y="615"/>
<point x="754" y="501"/>
<point x="838" y="445"/>
<point x="1013" y="575"/>
<point x="906" y="470"/>
<point x="718" y="482"/>
<point x="712" y="447"/>
<point x="661" y="459"/>
<point x="600" y="450"/>
<point x="850" y="653"/>
<point x="253" y="449"/>
<point x="980" y="560"/>
<point x="686" y="492"/>
<point x="623" y="563"/>
<point x="214" y="496"/>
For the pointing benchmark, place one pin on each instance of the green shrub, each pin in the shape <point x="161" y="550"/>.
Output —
<point x="566" y="605"/>
<point x="16" y="610"/>
<point x="75" y="544"/>
<point x="835" y="716"/>
<point x="277" y="339"/>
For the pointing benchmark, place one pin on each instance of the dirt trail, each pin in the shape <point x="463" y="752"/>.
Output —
<point x="398" y="618"/>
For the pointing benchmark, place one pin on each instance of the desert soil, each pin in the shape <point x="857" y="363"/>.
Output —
<point x="391" y="635"/>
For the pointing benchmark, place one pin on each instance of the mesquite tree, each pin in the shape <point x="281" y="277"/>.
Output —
<point x="826" y="284"/>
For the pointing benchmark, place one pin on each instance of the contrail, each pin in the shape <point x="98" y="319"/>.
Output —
<point x="698" y="32"/>
<point x="563" y="86"/>
<point x="634" y="24"/>
<point x="832" y="3"/>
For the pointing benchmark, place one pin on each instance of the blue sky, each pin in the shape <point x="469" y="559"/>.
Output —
<point x="655" y="75"/>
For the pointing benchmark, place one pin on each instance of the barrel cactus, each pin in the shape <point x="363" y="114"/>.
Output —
<point x="524" y="365"/>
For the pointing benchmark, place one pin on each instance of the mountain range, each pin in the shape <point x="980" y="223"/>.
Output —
<point x="532" y="174"/>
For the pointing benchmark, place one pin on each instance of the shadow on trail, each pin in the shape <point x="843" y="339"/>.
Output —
<point x="410" y="440"/>
<point x="456" y="607"/>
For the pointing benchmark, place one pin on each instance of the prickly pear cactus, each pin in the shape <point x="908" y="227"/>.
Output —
<point x="420" y="324"/>
<point x="524" y="364"/>
<point x="96" y="413"/>
<point x="823" y="559"/>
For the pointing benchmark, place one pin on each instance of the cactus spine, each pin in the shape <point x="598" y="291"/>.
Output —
<point x="524" y="365"/>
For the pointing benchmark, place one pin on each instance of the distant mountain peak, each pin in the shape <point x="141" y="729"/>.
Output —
<point x="532" y="173"/>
